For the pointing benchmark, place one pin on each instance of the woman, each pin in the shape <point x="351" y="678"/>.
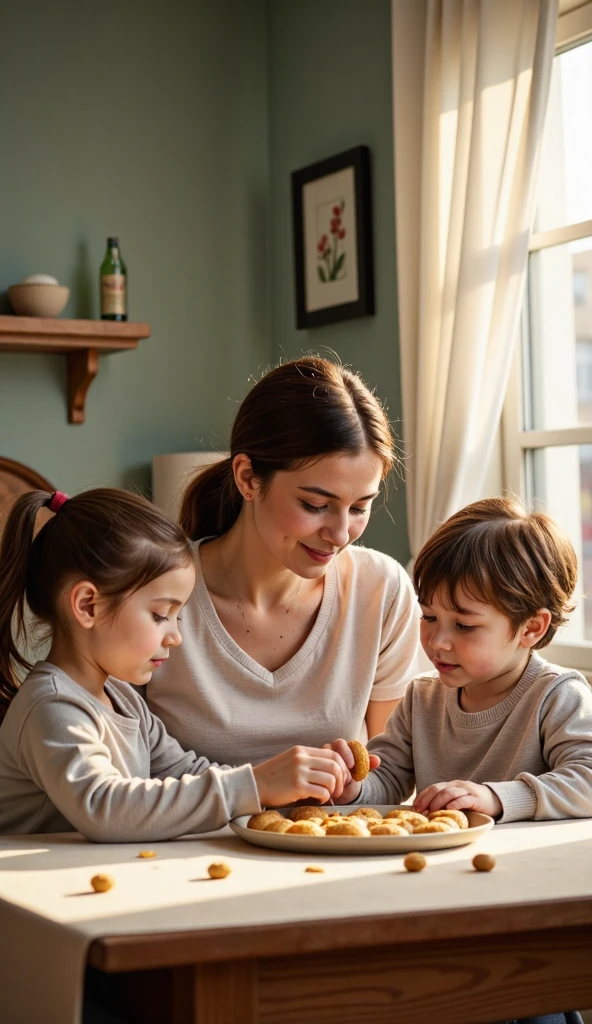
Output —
<point x="291" y="635"/>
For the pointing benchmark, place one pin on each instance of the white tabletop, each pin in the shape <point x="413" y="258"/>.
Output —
<point x="49" y="915"/>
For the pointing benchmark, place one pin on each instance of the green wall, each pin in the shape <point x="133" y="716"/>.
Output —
<point x="147" y="121"/>
<point x="330" y="89"/>
<point x="177" y="130"/>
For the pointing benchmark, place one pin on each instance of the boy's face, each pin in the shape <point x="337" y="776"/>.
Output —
<point x="471" y="645"/>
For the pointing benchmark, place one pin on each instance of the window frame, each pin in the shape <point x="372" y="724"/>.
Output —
<point x="574" y="28"/>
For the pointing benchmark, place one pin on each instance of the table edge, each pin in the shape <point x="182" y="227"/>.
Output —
<point x="114" y="953"/>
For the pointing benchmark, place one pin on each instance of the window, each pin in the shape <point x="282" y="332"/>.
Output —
<point x="547" y="423"/>
<point x="580" y="283"/>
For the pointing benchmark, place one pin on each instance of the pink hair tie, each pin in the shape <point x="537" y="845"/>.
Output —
<point x="57" y="500"/>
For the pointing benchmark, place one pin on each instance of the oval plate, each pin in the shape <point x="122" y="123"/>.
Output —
<point x="479" y="824"/>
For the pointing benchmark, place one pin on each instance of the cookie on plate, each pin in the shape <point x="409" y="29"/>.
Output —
<point x="304" y="813"/>
<point x="305" y="828"/>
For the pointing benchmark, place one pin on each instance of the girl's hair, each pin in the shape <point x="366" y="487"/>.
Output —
<point x="116" y="540"/>
<point x="297" y="413"/>
<point x="499" y="552"/>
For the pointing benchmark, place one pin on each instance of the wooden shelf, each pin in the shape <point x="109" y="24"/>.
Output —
<point x="82" y="341"/>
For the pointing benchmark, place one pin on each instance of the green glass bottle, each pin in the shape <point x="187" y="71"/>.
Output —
<point x="113" y="276"/>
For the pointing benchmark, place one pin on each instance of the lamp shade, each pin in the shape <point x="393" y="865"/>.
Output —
<point x="171" y="474"/>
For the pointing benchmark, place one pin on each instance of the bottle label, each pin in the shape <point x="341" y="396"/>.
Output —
<point x="113" y="294"/>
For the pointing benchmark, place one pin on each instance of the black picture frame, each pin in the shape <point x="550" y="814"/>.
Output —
<point x="312" y="256"/>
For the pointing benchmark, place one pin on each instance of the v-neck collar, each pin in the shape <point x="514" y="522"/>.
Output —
<point x="211" y="616"/>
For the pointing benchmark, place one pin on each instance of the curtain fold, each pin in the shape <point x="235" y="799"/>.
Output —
<point x="471" y="82"/>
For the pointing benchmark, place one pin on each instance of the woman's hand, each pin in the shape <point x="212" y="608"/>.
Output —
<point x="301" y="773"/>
<point x="351" y="789"/>
<point x="458" y="796"/>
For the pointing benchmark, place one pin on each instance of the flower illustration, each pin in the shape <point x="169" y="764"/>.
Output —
<point x="331" y="261"/>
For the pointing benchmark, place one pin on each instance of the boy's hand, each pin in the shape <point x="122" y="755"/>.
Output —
<point x="458" y="796"/>
<point x="301" y="773"/>
<point x="351" y="789"/>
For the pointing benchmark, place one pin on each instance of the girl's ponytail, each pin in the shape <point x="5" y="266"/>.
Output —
<point x="15" y="555"/>
<point x="211" y="503"/>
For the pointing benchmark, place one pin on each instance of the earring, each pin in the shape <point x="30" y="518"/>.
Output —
<point x="248" y="495"/>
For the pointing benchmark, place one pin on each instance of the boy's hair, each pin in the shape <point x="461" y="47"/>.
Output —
<point x="116" y="540"/>
<point x="499" y="552"/>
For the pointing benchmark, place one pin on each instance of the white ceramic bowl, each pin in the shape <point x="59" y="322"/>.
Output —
<point x="29" y="299"/>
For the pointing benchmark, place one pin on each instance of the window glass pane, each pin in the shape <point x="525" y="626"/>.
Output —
<point x="560" y="328"/>
<point x="565" y="184"/>
<point x="562" y="480"/>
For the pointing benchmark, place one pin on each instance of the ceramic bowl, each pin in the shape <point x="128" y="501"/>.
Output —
<point x="38" y="299"/>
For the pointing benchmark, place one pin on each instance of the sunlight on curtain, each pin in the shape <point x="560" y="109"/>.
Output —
<point x="471" y="81"/>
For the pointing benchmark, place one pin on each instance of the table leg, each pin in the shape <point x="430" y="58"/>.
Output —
<point x="215" y="993"/>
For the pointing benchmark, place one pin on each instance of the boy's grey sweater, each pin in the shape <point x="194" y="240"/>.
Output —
<point x="534" y="749"/>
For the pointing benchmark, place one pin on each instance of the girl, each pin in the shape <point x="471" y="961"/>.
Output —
<point x="291" y="631"/>
<point x="109" y="575"/>
<point x="495" y="728"/>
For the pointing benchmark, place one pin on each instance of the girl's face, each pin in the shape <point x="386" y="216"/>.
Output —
<point x="307" y="516"/>
<point x="135" y="641"/>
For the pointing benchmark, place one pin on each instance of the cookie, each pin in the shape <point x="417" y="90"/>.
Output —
<point x="305" y="828"/>
<point x="219" y="870"/>
<point x="387" y="828"/>
<point x="362" y="760"/>
<point x="483" y="862"/>
<point x="454" y="825"/>
<point x="431" y="826"/>
<point x="263" y="819"/>
<point x="415" y="862"/>
<point x="407" y="815"/>
<point x="367" y="812"/>
<point x="283" y="825"/>
<point x="352" y="827"/>
<point x="102" y="883"/>
<point x="459" y="816"/>
<point x="304" y="813"/>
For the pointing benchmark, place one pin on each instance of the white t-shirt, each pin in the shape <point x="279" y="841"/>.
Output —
<point x="213" y="697"/>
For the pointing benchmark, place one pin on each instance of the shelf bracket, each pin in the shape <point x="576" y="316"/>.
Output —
<point x="82" y="370"/>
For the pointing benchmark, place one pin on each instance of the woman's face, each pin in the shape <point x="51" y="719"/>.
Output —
<point x="308" y="515"/>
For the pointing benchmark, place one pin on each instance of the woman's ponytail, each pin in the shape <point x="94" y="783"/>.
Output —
<point x="15" y="554"/>
<point x="211" y="503"/>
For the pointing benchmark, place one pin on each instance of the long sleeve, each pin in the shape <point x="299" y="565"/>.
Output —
<point x="393" y="781"/>
<point x="168" y="759"/>
<point x="63" y="749"/>
<point x="565" y="791"/>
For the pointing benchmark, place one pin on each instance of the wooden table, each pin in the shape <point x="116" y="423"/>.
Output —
<point x="363" y="941"/>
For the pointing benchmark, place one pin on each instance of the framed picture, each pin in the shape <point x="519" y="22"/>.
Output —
<point x="332" y="218"/>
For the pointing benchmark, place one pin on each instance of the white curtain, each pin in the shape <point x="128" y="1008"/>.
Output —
<point x="471" y="80"/>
